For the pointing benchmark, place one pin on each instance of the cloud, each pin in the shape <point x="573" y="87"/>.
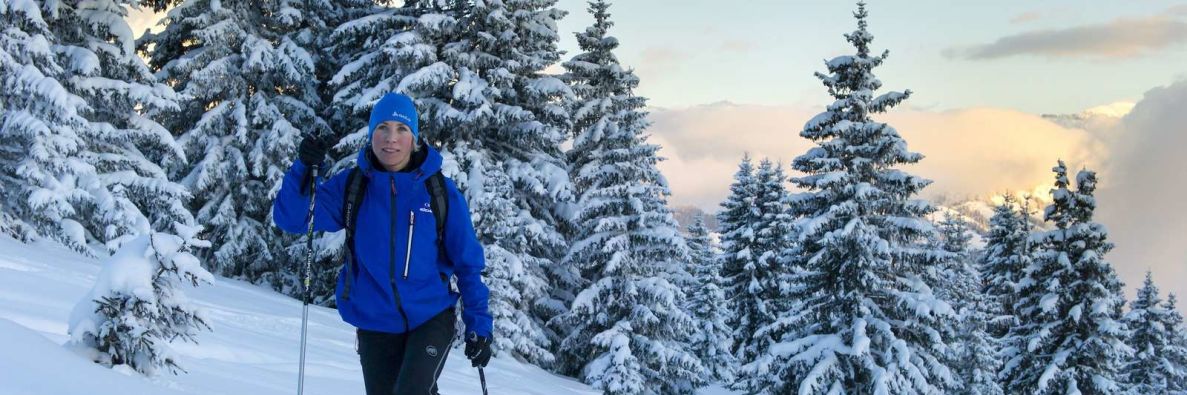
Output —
<point x="970" y="152"/>
<point x="658" y="56"/>
<point x="736" y="46"/>
<point x="1180" y="9"/>
<point x="1141" y="158"/>
<point x="1142" y="195"/>
<point x="1026" y="17"/>
<point x="703" y="145"/>
<point x="1120" y="38"/>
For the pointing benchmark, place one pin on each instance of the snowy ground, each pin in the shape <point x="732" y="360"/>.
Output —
<point x="253" y="348"/>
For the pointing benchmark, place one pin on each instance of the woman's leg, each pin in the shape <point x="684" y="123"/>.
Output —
<point x="424" y="355"/>
<point x="381" y="355"/>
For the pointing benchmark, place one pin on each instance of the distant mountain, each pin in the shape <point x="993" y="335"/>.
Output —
<point x="1094" y="119"/>
<point x="976" y="210"/>
<point x="685" y="214"/>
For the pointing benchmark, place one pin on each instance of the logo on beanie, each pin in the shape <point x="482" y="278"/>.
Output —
<point x="403" y="118"/>
<point x="432" y="351"/>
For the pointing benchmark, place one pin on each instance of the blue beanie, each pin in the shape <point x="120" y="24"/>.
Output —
<point x="394" y="107"/>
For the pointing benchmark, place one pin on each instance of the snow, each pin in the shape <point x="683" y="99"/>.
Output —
<point x="1112" y="110"/>
<point x="253" y="347"/>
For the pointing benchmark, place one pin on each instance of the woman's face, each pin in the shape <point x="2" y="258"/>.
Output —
<point x="392" y="144"/>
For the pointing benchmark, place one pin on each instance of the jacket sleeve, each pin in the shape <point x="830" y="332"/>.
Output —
<point x="290" y="210"/>
<point x="464" y="250"/>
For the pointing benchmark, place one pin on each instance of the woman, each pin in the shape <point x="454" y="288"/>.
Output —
<point x="396" y="289"/>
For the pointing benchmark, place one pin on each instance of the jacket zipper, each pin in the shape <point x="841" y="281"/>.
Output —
<point x="408" y="251"/>
<point x="392" y="270"/>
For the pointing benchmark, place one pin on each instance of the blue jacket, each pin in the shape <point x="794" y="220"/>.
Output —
<point x="394" y="290"/>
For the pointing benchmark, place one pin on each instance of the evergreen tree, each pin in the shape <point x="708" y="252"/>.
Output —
<point x="763" y="281"/>
<point x="77" y="164"/>
<point x="136" y="308"/>
<point x="868" y="320"/>
<point x="123" y="140"/>
<point x="1071" y="337"/>
<point x="1158" y="362"/>
<point x="248" y="73"/>
<point x="1178" y="345"/>
<point x="1008" y="253"/>
<point x="628" y="331"/>
<point x="737" y="219"/>
<point x="706" y="302"/>
<point x="392" y="49"/>
<point x="79" y="146"/>
<point x="962" y="281"/>
<point x="487" y="92"/>
<point x="977" y="361"/>
<point x="43" y="179"/>
<point x="520" y="334"/>
<point x="974" y="352"/>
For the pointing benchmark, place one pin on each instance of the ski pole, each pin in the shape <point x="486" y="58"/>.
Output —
<point x="305" y="274"/>
<point x="482" y="378"/>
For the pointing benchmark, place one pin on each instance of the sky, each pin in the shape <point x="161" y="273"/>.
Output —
<point x="723" y="81"/>
<point x="726" y="81"/>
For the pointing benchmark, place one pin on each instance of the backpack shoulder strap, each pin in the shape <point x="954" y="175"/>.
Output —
<point x="438" y="202"/>
<point x="356" y="184"/>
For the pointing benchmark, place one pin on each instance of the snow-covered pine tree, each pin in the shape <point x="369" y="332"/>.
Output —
<point x="136" y="308"/>
<point x="628" y="332"/>
<point x="251" y="93"/>
<point x="973" y="355"/>
<point x="496" y="220"/>
<point x="867" y="320"/>
<point x="1178" y="342"/>
<point x="762" y="285"/>
<point x="44" y="181"/>
<point x="1071" y="338"/>
<point x="961" y="279"/>
<point x="737" y="220"/>
<point x="771" y="296"/>
<point x="312" y="29"/>
<point x="713" y="339"/>
<point x="392" y="49"/>
<point x="1157" y="361"/>
<point x="123" y="141"/>
<point x="1006" y="255"/>
<point x="977" y="354"/>
<point x="82" y="141"/>
<point x="78" y="152"/>
<point x="514" y="112"/>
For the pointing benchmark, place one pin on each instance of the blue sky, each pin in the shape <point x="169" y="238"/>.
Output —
<point x="764" y="52"/>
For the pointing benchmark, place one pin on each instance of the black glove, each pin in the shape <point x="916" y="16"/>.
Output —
<point x="312" y="150"/>
<point x="477" y="349"/>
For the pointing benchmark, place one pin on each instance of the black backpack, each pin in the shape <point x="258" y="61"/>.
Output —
<point x="356" y="184"/>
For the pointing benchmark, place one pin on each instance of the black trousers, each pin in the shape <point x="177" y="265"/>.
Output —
<point x="406" y="363"/>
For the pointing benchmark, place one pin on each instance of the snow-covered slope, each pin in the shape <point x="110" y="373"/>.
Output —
<point x="253" y="348"/>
